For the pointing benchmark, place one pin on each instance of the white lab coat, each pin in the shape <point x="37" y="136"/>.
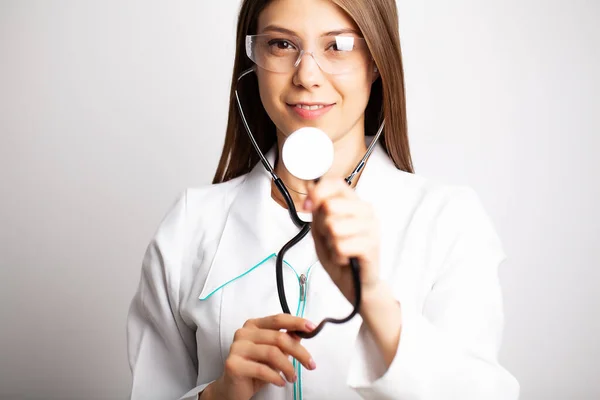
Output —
<point x="207" y="270"/>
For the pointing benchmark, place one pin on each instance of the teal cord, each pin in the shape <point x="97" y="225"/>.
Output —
<point x="302" y="315"/>
<point x="246" y="273"/>
<point x="297" y="365"/>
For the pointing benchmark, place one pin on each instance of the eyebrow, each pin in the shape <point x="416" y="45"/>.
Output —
<point x="276" y="28"/>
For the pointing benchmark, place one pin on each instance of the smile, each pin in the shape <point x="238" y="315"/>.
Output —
<point x="310" y="111"/>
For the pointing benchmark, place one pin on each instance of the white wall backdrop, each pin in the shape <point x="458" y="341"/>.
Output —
<point x="109" y="108"/>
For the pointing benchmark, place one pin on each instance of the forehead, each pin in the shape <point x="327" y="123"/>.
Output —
<point x="307" y="18"/>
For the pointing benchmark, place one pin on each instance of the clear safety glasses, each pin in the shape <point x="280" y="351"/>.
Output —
<point x="279" y="52"/>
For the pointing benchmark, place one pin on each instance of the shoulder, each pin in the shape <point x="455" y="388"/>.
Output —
<point x="197" y="213"/>
<point x="213" y="200"/>
<point x="449" y="222"/>
<point x="447" y="208"/>
<point x="400" y="192"/>
<point x="427" y="193"/>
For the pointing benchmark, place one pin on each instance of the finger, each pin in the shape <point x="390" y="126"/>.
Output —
<point x="346" y="207"/>
<point x="355" y="246"/>
<point x="273" y="356"/>
<point x="294" y="336"/>
<point x="282" y="340"/>
<point x="327" y="188"/>
<point x="240" y="367"/>
<point x="284" y="321"/>
<point x="335" y="227"/>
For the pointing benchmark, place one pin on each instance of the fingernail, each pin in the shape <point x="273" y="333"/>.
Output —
<point x="308" y="204"/>
<point x="310" y="326"/>
<point x="311" y="364"/>
<point x="295" y="379"/>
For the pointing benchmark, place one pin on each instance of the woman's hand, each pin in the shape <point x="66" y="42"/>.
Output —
<point x="344" y="226"/>
<point x="259" y="353"/>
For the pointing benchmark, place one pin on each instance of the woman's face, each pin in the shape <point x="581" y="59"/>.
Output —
<point x="345" y="96"/>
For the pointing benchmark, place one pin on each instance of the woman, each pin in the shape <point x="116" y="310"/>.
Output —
<point x="206" y="321"/>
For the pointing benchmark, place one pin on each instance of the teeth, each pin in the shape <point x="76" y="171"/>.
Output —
<point x="305" y="107"/>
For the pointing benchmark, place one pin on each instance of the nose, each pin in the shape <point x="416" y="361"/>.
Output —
<point x="308" y="71"/>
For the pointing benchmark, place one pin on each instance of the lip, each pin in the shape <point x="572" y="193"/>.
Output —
<point x="311" y="114"/>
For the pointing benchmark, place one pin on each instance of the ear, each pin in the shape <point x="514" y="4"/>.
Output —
<point x="375" y="74"/>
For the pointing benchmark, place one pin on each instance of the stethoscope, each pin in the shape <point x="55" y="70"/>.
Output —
<point x="305" y="226"/>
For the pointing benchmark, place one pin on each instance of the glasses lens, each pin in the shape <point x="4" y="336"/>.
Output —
<point x="342" y="54"/>
<point x="333" y="54"/>
<point x="271" y="52"/>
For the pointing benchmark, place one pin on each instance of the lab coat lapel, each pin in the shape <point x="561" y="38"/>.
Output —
<point x="249" y="236"/>
<point x="376" y="176"/>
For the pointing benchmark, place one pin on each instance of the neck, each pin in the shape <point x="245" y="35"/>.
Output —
<point x="348" y="151"/>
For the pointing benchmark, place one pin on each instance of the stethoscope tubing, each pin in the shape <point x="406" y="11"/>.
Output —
<point x="305" y="226"/>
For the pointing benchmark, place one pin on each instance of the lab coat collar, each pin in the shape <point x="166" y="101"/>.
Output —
<point x="251" y="236"/>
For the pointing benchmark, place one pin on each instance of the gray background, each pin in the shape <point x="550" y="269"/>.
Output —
<point x="108" y="109"/>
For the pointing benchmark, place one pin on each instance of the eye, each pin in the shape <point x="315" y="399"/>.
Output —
<point x="341" y="43"/>
<point x="282" y="44"/>
<point x="332" y="46"/>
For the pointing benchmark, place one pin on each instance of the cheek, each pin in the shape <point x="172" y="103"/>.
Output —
<point x="355" y="91"/>
<point x="270" y="89"/>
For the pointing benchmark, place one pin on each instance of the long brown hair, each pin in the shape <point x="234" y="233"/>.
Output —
<point x="378" y="22"/>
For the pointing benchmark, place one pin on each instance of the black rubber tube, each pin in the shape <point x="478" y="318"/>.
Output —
<point x="305" y="228"/>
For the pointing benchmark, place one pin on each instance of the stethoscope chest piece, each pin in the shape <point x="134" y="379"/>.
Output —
<point x="307" y="153"/>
